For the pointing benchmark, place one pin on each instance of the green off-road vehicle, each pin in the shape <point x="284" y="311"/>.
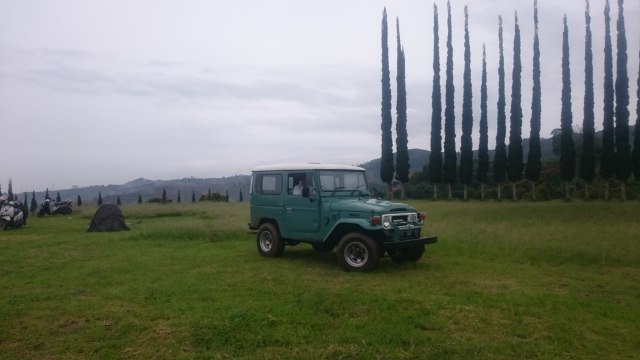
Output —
<point x="330" y="206"/>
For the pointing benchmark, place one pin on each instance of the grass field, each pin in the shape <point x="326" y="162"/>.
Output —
<point x="544" y="280"/>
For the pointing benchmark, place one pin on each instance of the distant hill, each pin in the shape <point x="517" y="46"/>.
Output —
<point x="418" y="158"/>
<point x="148" y="189"/>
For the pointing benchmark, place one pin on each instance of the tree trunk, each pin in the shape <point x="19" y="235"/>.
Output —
<point x="450" y="192"/>
<point x="499" y="191"/>
<point x="586" y="191"/>
<point x="623" y="191"/>
<point x="435" y="191"/>
<point x="566" y="191"/>
<point x="465" y="192"/>
<point x="482" y="191"/>
<point x="513" y="191"/>
<point x="533" y="190"/>
<point x="606" y="189"/>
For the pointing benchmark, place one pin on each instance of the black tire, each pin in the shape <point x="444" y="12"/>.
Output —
<point x="358" y="252"/>
<point x="409" y="254"/>
<point x="322" y="247"/>
<point x="269" y="242"/>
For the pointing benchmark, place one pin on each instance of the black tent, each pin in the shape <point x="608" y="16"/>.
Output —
<point x="108" y="217"/>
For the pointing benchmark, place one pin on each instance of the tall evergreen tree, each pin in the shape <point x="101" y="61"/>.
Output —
<point x="118" y="202"/>
<point x="58" y="198"/>
<point x="466" y="144"/>
<point x="10" y="191"/>
<point x="386" y="164"/>
<point x="193" y="196"/>
<point x="587" y="164"/>
<point x="636" y="140"/>
<point x="500" y="156"/>
<point x="46" y="194"/>
<point x="514" y="159"/>
<point x="139" y="199"/>
<point x="179" y="200"/>
<point x="34" y="202"/>
<point x="607" y="159"/>
<point x="402" y="150"/>
<point x="483" y="148"/>
<point x="449" y="166"/>
<point x="534" y="166"/>
<point x="435" y="158"/>
<point x="240" y="199"/>
<point x="99" y="198"/>
<point x="623" y="148"/>
<point x="26" y="207"/>
<point x="79" y="201"/>
<point x="164" y="196"/>
<point x="567" y="148"/>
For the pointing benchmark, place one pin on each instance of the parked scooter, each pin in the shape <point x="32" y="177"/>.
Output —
<point x="53" y="208"/>
<point x="12" y="214"/>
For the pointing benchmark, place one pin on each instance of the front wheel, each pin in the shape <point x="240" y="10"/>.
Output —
<point x="269" y="242"/>
<point x="358" y="252"/>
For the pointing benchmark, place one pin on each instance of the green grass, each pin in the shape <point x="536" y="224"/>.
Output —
<point x="506" y="280"/>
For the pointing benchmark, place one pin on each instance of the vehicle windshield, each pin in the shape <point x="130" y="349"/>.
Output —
<point x="335" y="181"/>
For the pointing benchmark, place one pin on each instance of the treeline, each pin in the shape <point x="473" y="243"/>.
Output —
<point x="585" y="168"/>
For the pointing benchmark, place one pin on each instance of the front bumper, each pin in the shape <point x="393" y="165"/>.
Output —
<point x="395" y="245"/>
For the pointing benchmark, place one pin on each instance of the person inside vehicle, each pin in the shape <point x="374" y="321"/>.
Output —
<point x="297" y="190"/>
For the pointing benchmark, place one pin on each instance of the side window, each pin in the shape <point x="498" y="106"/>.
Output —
<point x="298" y="181"/>
<point x="268" y="184"/>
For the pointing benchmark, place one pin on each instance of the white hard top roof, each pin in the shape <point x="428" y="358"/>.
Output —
<point x="306" y="166"/>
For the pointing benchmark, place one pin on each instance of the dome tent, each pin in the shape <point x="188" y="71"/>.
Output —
<point x="108" y="217"/>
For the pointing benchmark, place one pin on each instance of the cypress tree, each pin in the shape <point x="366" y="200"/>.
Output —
<point x="500" y="156"/>
<point x="164" y="196"/>
<point x="514" y="160"/>
<point x="483" y="149"/>
<point x="79" y="201"/>
<point x="226" y="197"/>
<point x="386" y="159"/>
<point x="240" y="199"/>
<point x="46" y="194"/>
<point x="179" y="198"/>
<point x="533" y="168"/>
<point x="118" y="202"/>
<point x="193" y="196"/>
<point x="623" y="148"/>
<point x="402" y="151"/>
<point x="99" y="198"/>
<point x="26" y="206"/>
<point x="567" y="149"/>
<point x="58" y="198"/>
<point x="587" y="155"/>
<point x="449" y="168"/>
<point x="10" y="191"/>
<point x="34" y="202"/>
<point x="139" y="199"/>
<point x="466" y="144"/>
<point x="608" y="156"/>
<point x="435" y="158"/>
<point x="636" y="140"/>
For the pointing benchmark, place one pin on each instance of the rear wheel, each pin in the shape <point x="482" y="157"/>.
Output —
<point x="269" y="242"/>
<point x="409" y="254"/>
<point x="358" y="252"/>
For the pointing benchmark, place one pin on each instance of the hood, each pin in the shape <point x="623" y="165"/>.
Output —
<point x="367" y="205"/>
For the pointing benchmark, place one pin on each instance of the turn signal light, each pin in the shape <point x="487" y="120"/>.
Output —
<point x="375" y="220"/>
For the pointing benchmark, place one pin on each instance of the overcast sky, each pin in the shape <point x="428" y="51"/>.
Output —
<point x="103" y="92"/>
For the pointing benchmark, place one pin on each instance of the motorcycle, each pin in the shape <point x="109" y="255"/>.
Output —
<point x="12" y="214"/>
<point x="58" y="207"/>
